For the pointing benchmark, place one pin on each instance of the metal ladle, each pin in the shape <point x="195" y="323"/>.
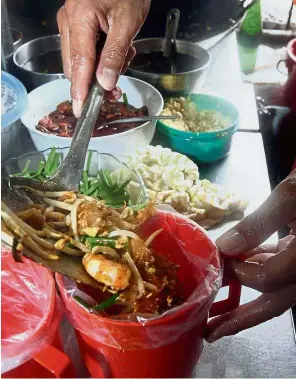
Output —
<point x="138" y="119"/>
<point x="170" y="49"/>
<point x="68" y="175"/>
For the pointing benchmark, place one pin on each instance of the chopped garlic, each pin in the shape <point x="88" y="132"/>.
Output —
<point x="191" y="119"/>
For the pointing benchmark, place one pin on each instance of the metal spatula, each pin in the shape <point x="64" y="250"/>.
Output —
<point x="68" y="175"/>
<point x="138" y="119"/>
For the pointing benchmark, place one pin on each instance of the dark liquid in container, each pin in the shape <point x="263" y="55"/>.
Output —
<point x="49" y="63"/>
<point x="155" y="62"/>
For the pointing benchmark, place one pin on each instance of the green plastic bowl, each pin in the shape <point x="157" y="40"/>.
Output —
<point x="203" y="147"/>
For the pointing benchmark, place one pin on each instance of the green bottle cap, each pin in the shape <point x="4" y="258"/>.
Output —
<point x="252" y="23"/>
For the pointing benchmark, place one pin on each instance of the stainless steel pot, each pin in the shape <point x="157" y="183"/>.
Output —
<point x="173" y="84"/>
<point x="31" y="76"/>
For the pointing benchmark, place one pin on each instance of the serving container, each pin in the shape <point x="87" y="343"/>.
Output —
<point x="120" y="172"/>
<point x="45" y="99"/>
<point x="173" y="84"/>
<point x="167" y="345"/>
<point x="30" y="50"/>
<point x="203" y="147"/>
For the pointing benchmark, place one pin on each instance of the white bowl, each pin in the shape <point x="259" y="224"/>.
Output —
<point x="45" y="99"/>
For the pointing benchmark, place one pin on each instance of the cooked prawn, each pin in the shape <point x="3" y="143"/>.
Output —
<point x="112" y="273"/>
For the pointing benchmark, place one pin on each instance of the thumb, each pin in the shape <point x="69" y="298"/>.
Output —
<point x="278" y="210"/>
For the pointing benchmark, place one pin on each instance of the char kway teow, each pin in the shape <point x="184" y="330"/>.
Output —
<point x="85" y="237"/>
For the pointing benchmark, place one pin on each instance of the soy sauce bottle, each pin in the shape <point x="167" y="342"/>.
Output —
<point x="249" y="37"/>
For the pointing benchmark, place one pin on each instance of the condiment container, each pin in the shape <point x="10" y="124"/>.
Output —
<point x="205" y="147"/>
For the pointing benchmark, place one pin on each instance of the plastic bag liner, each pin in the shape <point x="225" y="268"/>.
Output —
<point x="30" y="310"/>
<point x="182" y="242"/>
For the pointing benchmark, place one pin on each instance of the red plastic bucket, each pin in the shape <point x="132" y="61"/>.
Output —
<point x="168" y="346"/>
<point x="30" y="313"/>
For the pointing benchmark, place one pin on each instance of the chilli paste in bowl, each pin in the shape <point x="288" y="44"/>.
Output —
<point x="62" y="121"/>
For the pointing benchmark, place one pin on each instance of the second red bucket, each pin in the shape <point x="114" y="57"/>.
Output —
<point x="30" y="317"/>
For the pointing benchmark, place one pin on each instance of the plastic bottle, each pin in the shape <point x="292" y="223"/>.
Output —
<point x="249" y="36"/>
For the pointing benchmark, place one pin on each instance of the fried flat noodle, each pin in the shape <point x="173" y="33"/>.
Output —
<point x="65" y="265"/>
<point x="17" y="199"/>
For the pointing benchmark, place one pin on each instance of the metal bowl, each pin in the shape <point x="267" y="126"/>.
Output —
<point x="26" y="68"/>
<point x="45" y="99"/>
<point x="173" y="84"/>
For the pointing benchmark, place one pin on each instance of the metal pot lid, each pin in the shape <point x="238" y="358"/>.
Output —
<point x="14" y="99"/>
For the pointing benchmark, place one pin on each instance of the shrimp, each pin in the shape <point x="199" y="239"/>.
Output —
<point x="109" y="272"/>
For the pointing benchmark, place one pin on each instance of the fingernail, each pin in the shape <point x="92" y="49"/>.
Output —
<point x="117" y="93"/>
<point x="231" y="241"/>
<point x="108" y="78"/>
<point x="77" y="107"/>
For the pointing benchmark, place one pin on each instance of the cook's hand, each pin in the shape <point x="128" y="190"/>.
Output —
<point x="79" y="21"/>
<point x="268" y="269"/>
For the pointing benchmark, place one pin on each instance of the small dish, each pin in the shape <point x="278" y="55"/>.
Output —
<point x="203" y="147"/>
<point x="45" y="99"/>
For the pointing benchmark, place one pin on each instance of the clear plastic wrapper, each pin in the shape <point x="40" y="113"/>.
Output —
<point x="30" y="310"/>
<point x="182" y="242"/>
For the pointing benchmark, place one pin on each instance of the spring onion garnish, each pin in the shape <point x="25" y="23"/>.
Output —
<point x="107" y="303"/>
<point x="125" y="100"/>
<point x="50" y="161"/>
<point x="55" y="164"/>
<point x="91" y="242"/>
<point x="39" y="171"/>
<point x="25" y="169"/>
<point x="101" y="187"/>
<point x="88" y="161"/>
<point x="98" y="307"/>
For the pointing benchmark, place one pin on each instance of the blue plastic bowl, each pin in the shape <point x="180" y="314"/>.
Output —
<point x="203" y="147"/>
<point x="21" y="99"/>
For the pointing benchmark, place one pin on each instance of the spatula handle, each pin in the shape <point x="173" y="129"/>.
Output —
<point x="73" y="164"/>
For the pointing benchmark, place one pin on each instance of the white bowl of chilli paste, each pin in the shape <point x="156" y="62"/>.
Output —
<point x="51" y="122"/>
<point x="62" y="121"/>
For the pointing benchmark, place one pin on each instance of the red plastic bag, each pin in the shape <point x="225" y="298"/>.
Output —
<point x="30" y="310"/>
<point x="182" y="242"/>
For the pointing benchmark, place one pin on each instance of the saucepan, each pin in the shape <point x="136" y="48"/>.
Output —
<point x="173" y="83"/>
<point x="190" y="81"/>
<point x="39" y="61"/>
